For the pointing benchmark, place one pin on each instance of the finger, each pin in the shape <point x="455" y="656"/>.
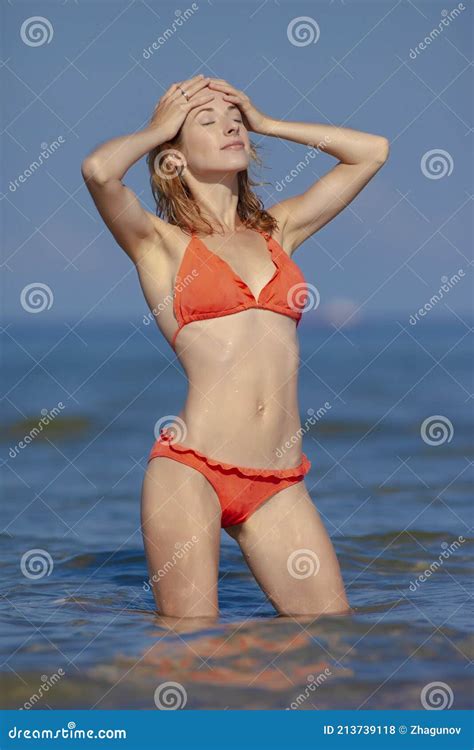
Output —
<point x="175" y="88"/>
<point x="198" y="86"/>
<point x="191" y="90"/>
<point x="185" y="83"/>
<point x="197" y="101"/>
<point x="180" y="98"/>
<point x="234" y="98"/>
<point x="226" y="89"/>
<point x="219" y="80"/>
<point x="168" y="94"/>
<point x="220" y="84"/>
<point x="181" y="92"/>
<point x="192" y="81"/>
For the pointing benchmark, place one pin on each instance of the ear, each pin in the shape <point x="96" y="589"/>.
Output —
<point x="171" y="164"/>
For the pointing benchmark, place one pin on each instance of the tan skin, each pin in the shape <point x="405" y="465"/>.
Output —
<point x="242" y="369"/>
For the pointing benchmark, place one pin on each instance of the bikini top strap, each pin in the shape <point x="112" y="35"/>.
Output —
<point x="264" y="234"/>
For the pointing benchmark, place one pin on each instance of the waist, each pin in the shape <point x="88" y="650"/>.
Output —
<point x="264" y="435"/>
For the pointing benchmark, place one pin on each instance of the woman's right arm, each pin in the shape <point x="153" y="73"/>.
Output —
<point x="131" y="224"/>
<point x="135" y="228"/>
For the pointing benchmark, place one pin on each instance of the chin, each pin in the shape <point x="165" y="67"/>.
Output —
<point x="226" y="166"/>
<point x="238" y="159"/>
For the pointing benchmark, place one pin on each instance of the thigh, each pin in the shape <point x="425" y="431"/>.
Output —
<point x="180" y="519"/>
<point x="288" y="550"/>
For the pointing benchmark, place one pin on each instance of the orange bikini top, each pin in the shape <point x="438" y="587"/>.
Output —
<point x="207" y="287"/>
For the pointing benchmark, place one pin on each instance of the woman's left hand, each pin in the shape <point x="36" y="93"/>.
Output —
<point x="253" y="119"/>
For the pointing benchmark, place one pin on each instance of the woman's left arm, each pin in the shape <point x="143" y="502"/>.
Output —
<point x="360" y="156"/>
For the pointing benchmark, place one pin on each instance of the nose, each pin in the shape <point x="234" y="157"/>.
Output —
<point x="232" y="127"/>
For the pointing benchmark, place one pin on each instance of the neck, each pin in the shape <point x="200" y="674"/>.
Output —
<point x="218" y="201"/>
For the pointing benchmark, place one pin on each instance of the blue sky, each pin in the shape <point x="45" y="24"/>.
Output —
<point x="356" y="64"/>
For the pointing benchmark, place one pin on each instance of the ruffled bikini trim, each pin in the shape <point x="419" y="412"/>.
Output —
<point x="247" y="471"/>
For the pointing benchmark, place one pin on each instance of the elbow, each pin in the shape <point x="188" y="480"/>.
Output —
<point x="382" y="150"/>
<point x="91" y="170"/>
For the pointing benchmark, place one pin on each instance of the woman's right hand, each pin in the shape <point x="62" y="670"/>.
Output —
<point x="173" y="107"/>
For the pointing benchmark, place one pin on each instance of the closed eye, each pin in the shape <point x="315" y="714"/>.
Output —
<point x="213" y="121"/>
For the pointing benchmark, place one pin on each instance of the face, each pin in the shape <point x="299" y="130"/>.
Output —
<point x="206" y="135"/>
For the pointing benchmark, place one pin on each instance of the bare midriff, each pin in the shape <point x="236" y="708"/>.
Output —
<point x="242" y="404"/>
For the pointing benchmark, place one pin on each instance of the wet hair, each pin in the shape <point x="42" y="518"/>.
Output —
<point x="176" y="204"/>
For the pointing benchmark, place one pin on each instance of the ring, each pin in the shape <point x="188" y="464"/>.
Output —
<point x="183" y="92"/>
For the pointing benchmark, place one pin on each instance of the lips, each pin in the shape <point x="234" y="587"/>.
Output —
<point x="233" y="144"/>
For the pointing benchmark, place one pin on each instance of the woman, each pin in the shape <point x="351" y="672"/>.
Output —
<point x="217" y="272"/>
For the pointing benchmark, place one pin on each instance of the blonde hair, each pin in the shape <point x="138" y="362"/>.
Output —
<point x="175" y="203"/>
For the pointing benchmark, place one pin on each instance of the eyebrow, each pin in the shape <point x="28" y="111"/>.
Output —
<point x="211" y="109"/>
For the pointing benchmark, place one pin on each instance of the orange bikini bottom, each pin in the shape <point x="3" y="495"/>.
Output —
<point x="240" y="489"/>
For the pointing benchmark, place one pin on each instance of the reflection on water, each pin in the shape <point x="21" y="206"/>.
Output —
<point x="397" y="508"/>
